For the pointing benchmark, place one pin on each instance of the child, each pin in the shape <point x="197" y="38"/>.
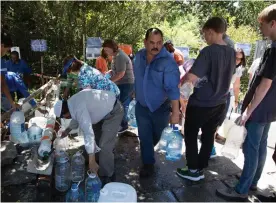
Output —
<point x="210" y="76"/>
<point x="258" y="111"/>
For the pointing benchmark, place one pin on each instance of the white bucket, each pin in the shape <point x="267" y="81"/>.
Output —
<point x="118" y="192"/>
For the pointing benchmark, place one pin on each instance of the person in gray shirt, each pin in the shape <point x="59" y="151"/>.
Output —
<point x="210" y="76"/>
<point x="122" y="74"/>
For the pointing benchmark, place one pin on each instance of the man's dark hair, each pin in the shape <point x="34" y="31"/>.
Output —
<point x="6" y="40"/>
<point x="15" y="53"/>
<point x="168" y="42"/>
<point x="111" y="44"/>
<point x="215" y="23"/>
<point x="154" y="31"/>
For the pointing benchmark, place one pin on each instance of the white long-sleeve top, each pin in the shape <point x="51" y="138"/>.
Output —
<point x="88" y="107"/>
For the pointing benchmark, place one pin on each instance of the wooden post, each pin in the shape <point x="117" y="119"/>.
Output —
<point x="42" y="70"/>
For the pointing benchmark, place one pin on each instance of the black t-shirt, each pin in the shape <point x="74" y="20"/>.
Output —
<point x="266" y="110"/>
<point x="215" y="67"/>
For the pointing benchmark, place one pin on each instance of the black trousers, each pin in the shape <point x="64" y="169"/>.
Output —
<point x="208" y="119"/>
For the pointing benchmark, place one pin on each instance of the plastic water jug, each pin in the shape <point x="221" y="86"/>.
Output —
<point x="227" y="124"/>
<point x="62" y="174"/>
<point x="93" y="186"/>
<point x="39" y="121"/>
<point x="234" y="141"/>
<point x="17" y="126"/>
<point x="118" y="192"/>
<point x="34" y="133"/>
<point x="174" y="146"/>
<point x="131" y="114"/>
<point x="166" y="136"/>
<point x="61" y="144"/>
<point x="75" y="194"/>
<point x="51" y="123"/>
<point x="59" y="155"/>
<point x="45" y="147"/>
<point x="78" y="167"/>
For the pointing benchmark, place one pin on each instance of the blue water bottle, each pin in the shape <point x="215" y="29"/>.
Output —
<point x="93" y="186"/>
<point x="166" y="136"/>
<point x="131" y="114"/>
<point x="75" y="194"/>
<point x="174" y="146"/>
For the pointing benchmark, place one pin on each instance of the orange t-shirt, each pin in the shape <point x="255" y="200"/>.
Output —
<point x="178" y="57"/>
<point x="101" y="64"/>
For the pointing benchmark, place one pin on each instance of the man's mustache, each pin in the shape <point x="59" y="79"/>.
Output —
<point x="154" y="49"/>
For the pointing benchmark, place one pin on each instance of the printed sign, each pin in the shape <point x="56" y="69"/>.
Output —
<point x="16" y="49"/>
<point x="39" y="45"/>
<point x="93" y="47"/>
<point x="246" y="47"/>
<point x="185" y="51"/>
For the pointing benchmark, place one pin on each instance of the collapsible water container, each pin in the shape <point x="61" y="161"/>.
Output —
<point x="118" y="192"/>
<point x="17" y="126"/>
<point x="34" y="133"/>
<point x="93" y="186"/>
<point x="166" y="136"/>
<point x="75" y="194"/>
<point x="235" y="138"/>
<point x="131" y="114"/>
<point x="78" y="167"/>
<point x="174" y="146"/>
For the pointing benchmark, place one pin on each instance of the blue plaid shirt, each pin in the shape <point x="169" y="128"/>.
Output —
<point x="90" y="77"/>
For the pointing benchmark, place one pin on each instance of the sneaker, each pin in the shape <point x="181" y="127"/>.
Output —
<point x="230" y="194"/>
<point x="201" y="174"/>
<point x="213" y="153"/>
<point x="146" y="171"/>
<point x="188" y="174"/>
<point x="123" y="129"/>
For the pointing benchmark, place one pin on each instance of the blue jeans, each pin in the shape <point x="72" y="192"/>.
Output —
<point x="150" y="127"/>
<point x="125" y="98"/>
<point x="254" y="149"/>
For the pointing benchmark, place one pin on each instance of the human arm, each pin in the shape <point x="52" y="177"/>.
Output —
<point x="236" y="88"/>
<point x="171" y="82"/>
<point x="6" y="91"/>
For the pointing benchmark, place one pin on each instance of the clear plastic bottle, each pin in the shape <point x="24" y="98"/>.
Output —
<point x="34" y="133"/>
<point x="131" y="114"/>
<point x="166" y="136"/>
<point x="234" y="140"/>
<point x="51" y="123"/>
<point x="174" y="147"/>
<point x="62" y="174"/>
<point x="75" y="194"/>
<point x="93" y="186"/>
<point x="78" y="167"/>
<point x="17" y="126"/>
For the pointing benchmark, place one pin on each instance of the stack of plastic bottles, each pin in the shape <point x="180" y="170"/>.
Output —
<point x="131" y="114"/>
<point x="171" y="142"/>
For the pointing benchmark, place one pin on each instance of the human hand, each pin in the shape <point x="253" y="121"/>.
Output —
<point x="93" y="166"/>
<point x="241" y="120"/>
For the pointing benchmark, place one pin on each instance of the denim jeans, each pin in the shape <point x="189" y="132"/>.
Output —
<point x="150" y="127"/>
<point x="125" y="98"/>
<point x="254" y="149"/>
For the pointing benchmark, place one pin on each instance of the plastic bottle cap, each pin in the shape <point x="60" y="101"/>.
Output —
<point x="74" y="186"/>
<point x="90" y="174"/>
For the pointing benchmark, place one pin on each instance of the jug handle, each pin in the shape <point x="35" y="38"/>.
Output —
<point x="118" y="192"/>
<point x="230" y="114"/>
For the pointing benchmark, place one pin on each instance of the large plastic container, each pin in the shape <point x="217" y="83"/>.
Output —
<point x="131" y="114"/>
<point x="61" y="144"/>
<point x="75" y="194"/>
<point x="78" y="167"/>
<point x="17" y="126"/>
<point x="234" y="141"/>
<point x="227" y="124"/>
<point x="34" y="133"/>
<point x="166" y="136"/>
<point x="118" y="192"/>
<point x="62" y="174"/>
<point x="174" y="146"/>
<point x="93" y="186"/>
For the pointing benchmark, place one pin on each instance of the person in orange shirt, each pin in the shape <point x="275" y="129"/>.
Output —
<point x="177" y="55"/>
<point x="101" y="62"/>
